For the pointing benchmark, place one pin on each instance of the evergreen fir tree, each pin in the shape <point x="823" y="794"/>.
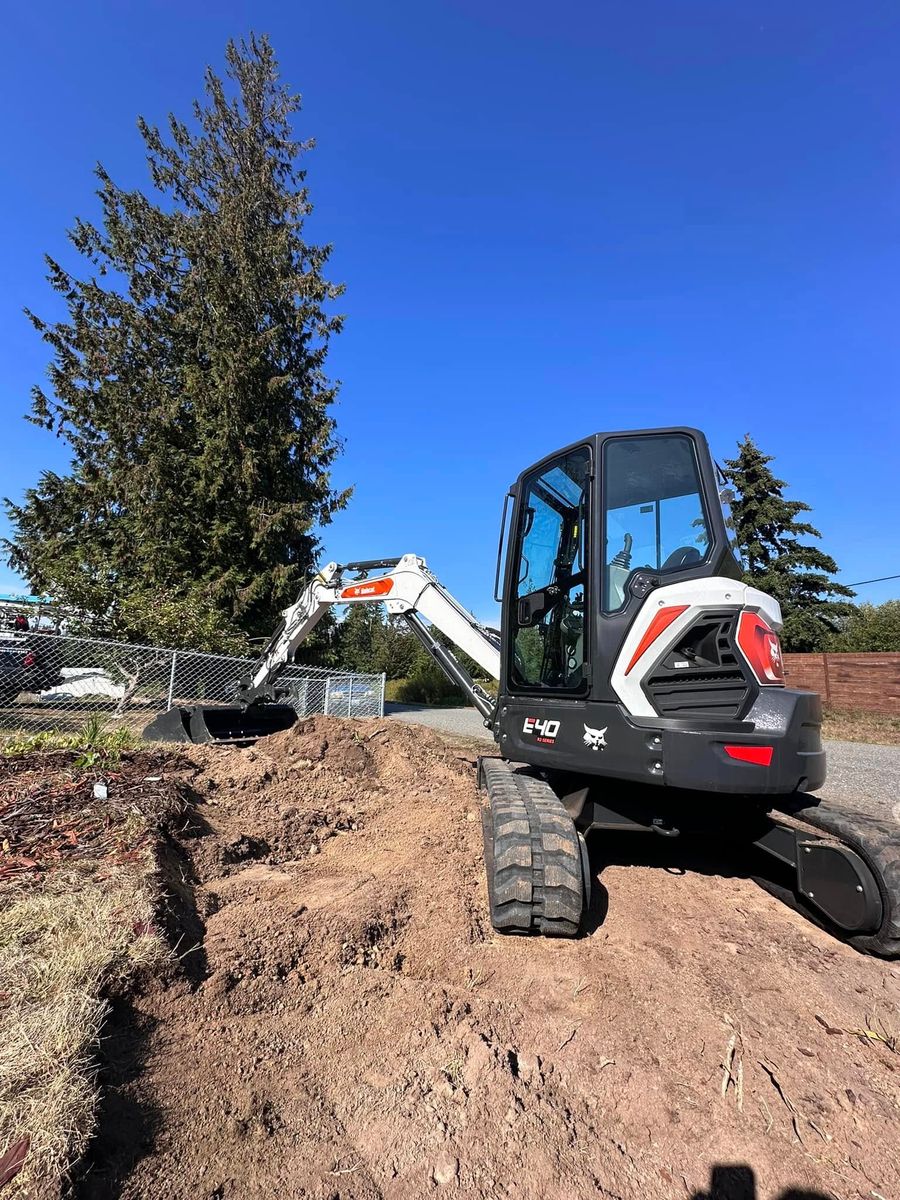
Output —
<point x="188" y="378"/>
<point x="777" y="560"/>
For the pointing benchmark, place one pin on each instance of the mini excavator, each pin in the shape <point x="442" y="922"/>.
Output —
<point x="640" y="689"/>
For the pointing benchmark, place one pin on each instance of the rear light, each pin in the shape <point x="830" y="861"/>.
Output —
<point x="28" y="660"/>
<point x="760" y="646"/>
<point x="760" y="755"/>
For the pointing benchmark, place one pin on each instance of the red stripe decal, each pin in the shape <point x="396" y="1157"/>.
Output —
<point x="661" y="621"/>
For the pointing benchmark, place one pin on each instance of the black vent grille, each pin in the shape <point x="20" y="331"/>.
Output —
<point x="702" y="675"/>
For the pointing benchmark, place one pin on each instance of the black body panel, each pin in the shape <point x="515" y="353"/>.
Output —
<point x="713" y="682"/>
<point x="687" y="754"/>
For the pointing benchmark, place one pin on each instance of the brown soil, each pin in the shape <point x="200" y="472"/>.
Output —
<point x="348" y="1026"/>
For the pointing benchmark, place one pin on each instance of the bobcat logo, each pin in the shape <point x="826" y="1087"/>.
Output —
<point x="595" y="738"/>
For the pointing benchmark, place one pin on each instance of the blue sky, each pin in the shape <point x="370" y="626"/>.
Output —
<point x="551" y="219"/>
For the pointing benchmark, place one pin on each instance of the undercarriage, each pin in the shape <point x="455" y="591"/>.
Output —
<point x="839" y="867"/>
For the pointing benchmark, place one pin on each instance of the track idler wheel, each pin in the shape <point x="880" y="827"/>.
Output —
<point x="535" y="858"/>
<point x="878" y="846"/>
<point x="847" y="873"/>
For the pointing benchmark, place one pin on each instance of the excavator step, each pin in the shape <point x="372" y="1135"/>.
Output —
<point x="536" y="861"/>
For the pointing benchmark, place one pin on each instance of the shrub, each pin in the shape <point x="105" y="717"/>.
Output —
<point x="429" y="685"/>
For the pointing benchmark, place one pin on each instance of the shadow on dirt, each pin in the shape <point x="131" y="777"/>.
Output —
<point x="127" y="1120"/>
<point x="699" y="854"/>
<point x="738" y="1182"/>
<point x="126" y="1124"/>
<point x="184" y="925"/>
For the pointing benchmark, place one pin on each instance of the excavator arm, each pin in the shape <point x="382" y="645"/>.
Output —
<point x="407" y="589"/>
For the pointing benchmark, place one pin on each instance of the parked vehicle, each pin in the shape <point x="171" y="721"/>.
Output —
<point x="23" y="667"/>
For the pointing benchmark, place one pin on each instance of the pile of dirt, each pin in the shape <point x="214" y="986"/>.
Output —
<point x="350" y="1026"/>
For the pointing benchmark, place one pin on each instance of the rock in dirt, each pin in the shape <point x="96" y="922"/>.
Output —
<point x="242" y="848"/>
<point x="445" y="1169"/>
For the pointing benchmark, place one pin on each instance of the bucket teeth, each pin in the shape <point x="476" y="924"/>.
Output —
<point x="170" y="726"/>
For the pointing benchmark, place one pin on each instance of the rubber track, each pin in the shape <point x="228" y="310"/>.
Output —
<point x="878" y="845"/>
<point x="532" y="854"/>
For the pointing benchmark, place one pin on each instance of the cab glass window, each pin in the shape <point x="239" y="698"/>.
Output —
<point x="655" y="516"/>
<point x="551" y="578"/>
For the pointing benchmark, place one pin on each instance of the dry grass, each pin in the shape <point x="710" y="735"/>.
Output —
<point x="61" y="948"/>
<point x="856" y="726"/>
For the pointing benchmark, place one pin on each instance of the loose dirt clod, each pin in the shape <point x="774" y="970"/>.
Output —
<point x="349" y="1025"/>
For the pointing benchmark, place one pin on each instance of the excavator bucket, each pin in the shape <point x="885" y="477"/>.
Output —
<point x="220" y="723"/>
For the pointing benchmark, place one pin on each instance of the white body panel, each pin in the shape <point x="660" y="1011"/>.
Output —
<point x="700" y="595"/>
<point x="417" y="590"/>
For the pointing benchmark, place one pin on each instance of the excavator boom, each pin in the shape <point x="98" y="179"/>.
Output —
<point x="407" y="589"/>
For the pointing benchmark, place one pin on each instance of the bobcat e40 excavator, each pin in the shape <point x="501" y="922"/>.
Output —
<point x="640" y="688"/>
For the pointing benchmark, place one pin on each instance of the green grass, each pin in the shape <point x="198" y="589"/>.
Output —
<point x="392" y="687"/>
<point x="96" y="740"/>
<point x="401" y="691"/>
<point x="408" y="691"/>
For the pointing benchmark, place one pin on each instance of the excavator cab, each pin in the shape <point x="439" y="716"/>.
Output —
<point x="650" y="500"/>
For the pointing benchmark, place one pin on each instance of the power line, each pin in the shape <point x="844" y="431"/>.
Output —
<point x="881" y="579"/>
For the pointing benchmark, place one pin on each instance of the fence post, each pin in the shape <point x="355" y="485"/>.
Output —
<point x="383" y="678"/>
<point x="350" y="698"/>
<point x="172" y="679"/>
<point x="327" y="692"/>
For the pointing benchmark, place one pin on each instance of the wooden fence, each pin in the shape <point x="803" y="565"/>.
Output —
<point x="870" y="682"/>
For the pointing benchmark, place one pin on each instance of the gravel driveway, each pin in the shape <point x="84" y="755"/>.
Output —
<point x="860" y="775"/>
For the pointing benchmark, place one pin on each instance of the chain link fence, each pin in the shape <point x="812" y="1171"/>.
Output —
<point x="53" y="681"/>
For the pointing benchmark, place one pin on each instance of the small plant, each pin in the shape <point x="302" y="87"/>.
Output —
<point x="95" y="741"/>
<point x="876" y="1030"/>
<point x="453" y="1070"/>
<point x="475" y="979"/>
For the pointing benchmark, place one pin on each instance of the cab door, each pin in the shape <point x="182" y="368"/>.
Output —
<point x="548" y="588"/>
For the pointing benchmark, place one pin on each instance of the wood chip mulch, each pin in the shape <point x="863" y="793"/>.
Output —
<point x="52" y="811"/>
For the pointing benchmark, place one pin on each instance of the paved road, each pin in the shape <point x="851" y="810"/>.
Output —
<point x="466" y="722"/>
<point x="860" y="775"/>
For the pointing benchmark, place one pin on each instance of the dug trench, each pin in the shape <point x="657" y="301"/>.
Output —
<point x="345" y="1024"/>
